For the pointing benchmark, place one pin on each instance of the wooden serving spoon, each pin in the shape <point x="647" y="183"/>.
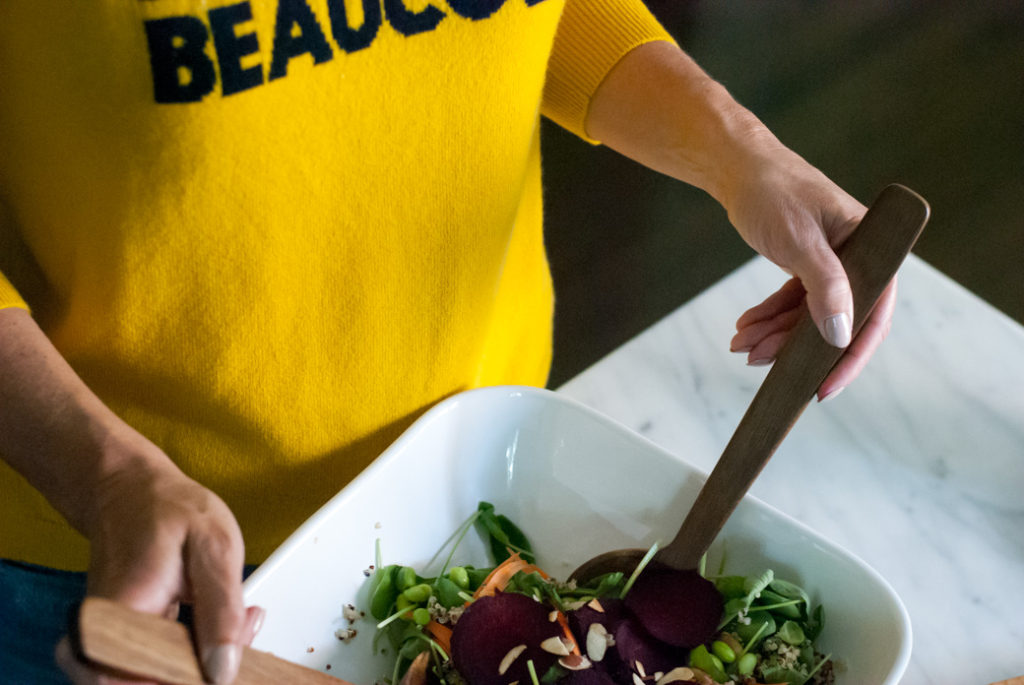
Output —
<point x="871" y="257"/>
<point x="133" y="644"/>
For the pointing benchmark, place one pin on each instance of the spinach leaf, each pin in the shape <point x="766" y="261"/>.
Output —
<point x="502" y="535"/>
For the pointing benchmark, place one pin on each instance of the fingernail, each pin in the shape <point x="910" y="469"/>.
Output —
<point x="743" y="350"/>
<point x="257" y="623"/>
<point x="832" y="395"/>
<point x="838" y="330"/>
<point x="760" y="362"/>
<point x="221" y="663"/>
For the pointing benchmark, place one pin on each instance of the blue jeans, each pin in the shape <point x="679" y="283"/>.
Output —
<point x="35" y="603"/>
<point x="34" y="607"/>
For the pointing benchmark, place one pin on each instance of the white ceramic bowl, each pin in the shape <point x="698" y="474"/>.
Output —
<point x="578" y="484"/>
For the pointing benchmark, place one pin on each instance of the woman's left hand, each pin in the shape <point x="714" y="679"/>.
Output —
<point x="792" y="214"/>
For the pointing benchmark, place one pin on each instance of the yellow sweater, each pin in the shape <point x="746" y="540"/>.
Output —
<point x="270" y="233"/>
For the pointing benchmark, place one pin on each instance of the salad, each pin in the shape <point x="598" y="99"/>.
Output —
<point x="512" y="624"/>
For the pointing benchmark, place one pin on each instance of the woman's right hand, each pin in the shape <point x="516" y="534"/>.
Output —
<point x="159" y="539"/>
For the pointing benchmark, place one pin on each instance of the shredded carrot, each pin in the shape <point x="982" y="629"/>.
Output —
<point x="498" y="578"/>
<point x="442" y="635"/>
<point x="564" y="622"/>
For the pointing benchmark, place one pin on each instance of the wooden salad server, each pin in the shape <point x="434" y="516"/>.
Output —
<point x="130" y="643"/>
<point x="871" y="256"/>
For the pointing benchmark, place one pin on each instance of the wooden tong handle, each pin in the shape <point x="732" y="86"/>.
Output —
<point x="871" y="257"/>
<point x="109" y="634"/>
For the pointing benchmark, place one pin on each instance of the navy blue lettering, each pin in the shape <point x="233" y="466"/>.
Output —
<point x="410" y="23"/>
<point x="350" y="39"/>
<point x="310" y="40"/>
<point x="531" y="3"/>
<point x="231" y="48"/>
<point x="176" y="49"/>
<point x="475" y="9"/>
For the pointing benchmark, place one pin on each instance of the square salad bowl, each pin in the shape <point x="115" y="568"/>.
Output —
<point x="577" y="484"/>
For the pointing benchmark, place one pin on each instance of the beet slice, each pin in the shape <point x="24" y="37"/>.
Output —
<point x="491" y="627"/>
<point x="638" y="650"/>
<point x="588" y="676"/>
<point x="681" y="608"/>
<point x="613" y="611"/>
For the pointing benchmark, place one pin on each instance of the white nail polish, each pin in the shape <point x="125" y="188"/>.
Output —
<point x="261" y="615"/>
<point x="760" y="362"/>
<point x="832" y="395"/>
<point x="838" y="329"/>
<point x="221" y="663"/>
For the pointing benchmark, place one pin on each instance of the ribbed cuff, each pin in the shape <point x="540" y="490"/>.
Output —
<point x="9" y="296"/>
<point x="592" y="37"/>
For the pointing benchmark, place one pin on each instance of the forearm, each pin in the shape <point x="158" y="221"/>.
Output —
<point x="658" y="107"/>
<point x="53" y="429"/>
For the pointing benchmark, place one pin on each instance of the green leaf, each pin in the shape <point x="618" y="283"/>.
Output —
<point x="792" y="591"/>
<point x="761" y="625"/>
<point x="501" y="534"/>
<point x="755" y="584"/>
<point x="752" y="585"/>
<point x="477" y="576"/>
<point x="385" y="591"/>
<point x="782" y="606"/>
<point x="604" y="585"/>
<point x="815" y="623"/>
<point x="791" y="633"/>
<point x="447" y="593"/>
<point x="774" y="673"/>
<point x="731" y="587"/>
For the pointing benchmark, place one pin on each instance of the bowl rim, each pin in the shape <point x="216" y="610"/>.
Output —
<point x="502" y="393"/>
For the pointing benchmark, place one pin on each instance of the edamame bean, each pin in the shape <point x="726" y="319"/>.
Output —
<point x="459" y="576"/>
<point x="746" y="664"/>
<point x="701" y="658"/>
<point x="417" y="594"/>
<point x="421" y="616"/>
<point x="723" y="651"/>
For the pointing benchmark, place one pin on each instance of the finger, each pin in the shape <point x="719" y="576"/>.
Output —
<point x="172" y="611"/>
<point x="829" y="298"/>
<point x="767" y="350"/>
<point x="254" y="617"/>
<point x="856" y="357"/>
<point x="751" y="336"/>
<point x="789" y="296"/>
<point x="215" y="572"/>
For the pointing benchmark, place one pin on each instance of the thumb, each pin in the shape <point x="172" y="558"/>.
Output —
<point x="221" y="621"/>
<point x="829" y="297"/>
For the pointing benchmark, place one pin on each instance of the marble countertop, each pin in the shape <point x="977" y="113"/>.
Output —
<point x="917" y="467"/>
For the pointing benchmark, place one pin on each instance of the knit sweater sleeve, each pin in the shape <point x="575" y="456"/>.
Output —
<point x="592" y="37"/>
<point x="9" y="297"/>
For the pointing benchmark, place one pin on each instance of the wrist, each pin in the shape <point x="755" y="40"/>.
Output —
<point x="737" y="148"/>
<point x="54" y="430"/>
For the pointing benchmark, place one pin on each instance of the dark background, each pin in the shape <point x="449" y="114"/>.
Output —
<point x="928" y="94"/>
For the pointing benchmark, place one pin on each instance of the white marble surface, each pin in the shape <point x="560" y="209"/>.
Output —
<point x="917" y="467"/>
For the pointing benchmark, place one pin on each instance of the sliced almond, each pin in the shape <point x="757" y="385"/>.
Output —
<point x="553" y="616"/>
<point x="510" y="657"/>
<point x="676" y="675"/>
<point x="640" y="668"/>
<point x="597" y="641"/>
<point x="595" y="605"/>
<point x="637" y="680"/>
<point x="555" y="645"/>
